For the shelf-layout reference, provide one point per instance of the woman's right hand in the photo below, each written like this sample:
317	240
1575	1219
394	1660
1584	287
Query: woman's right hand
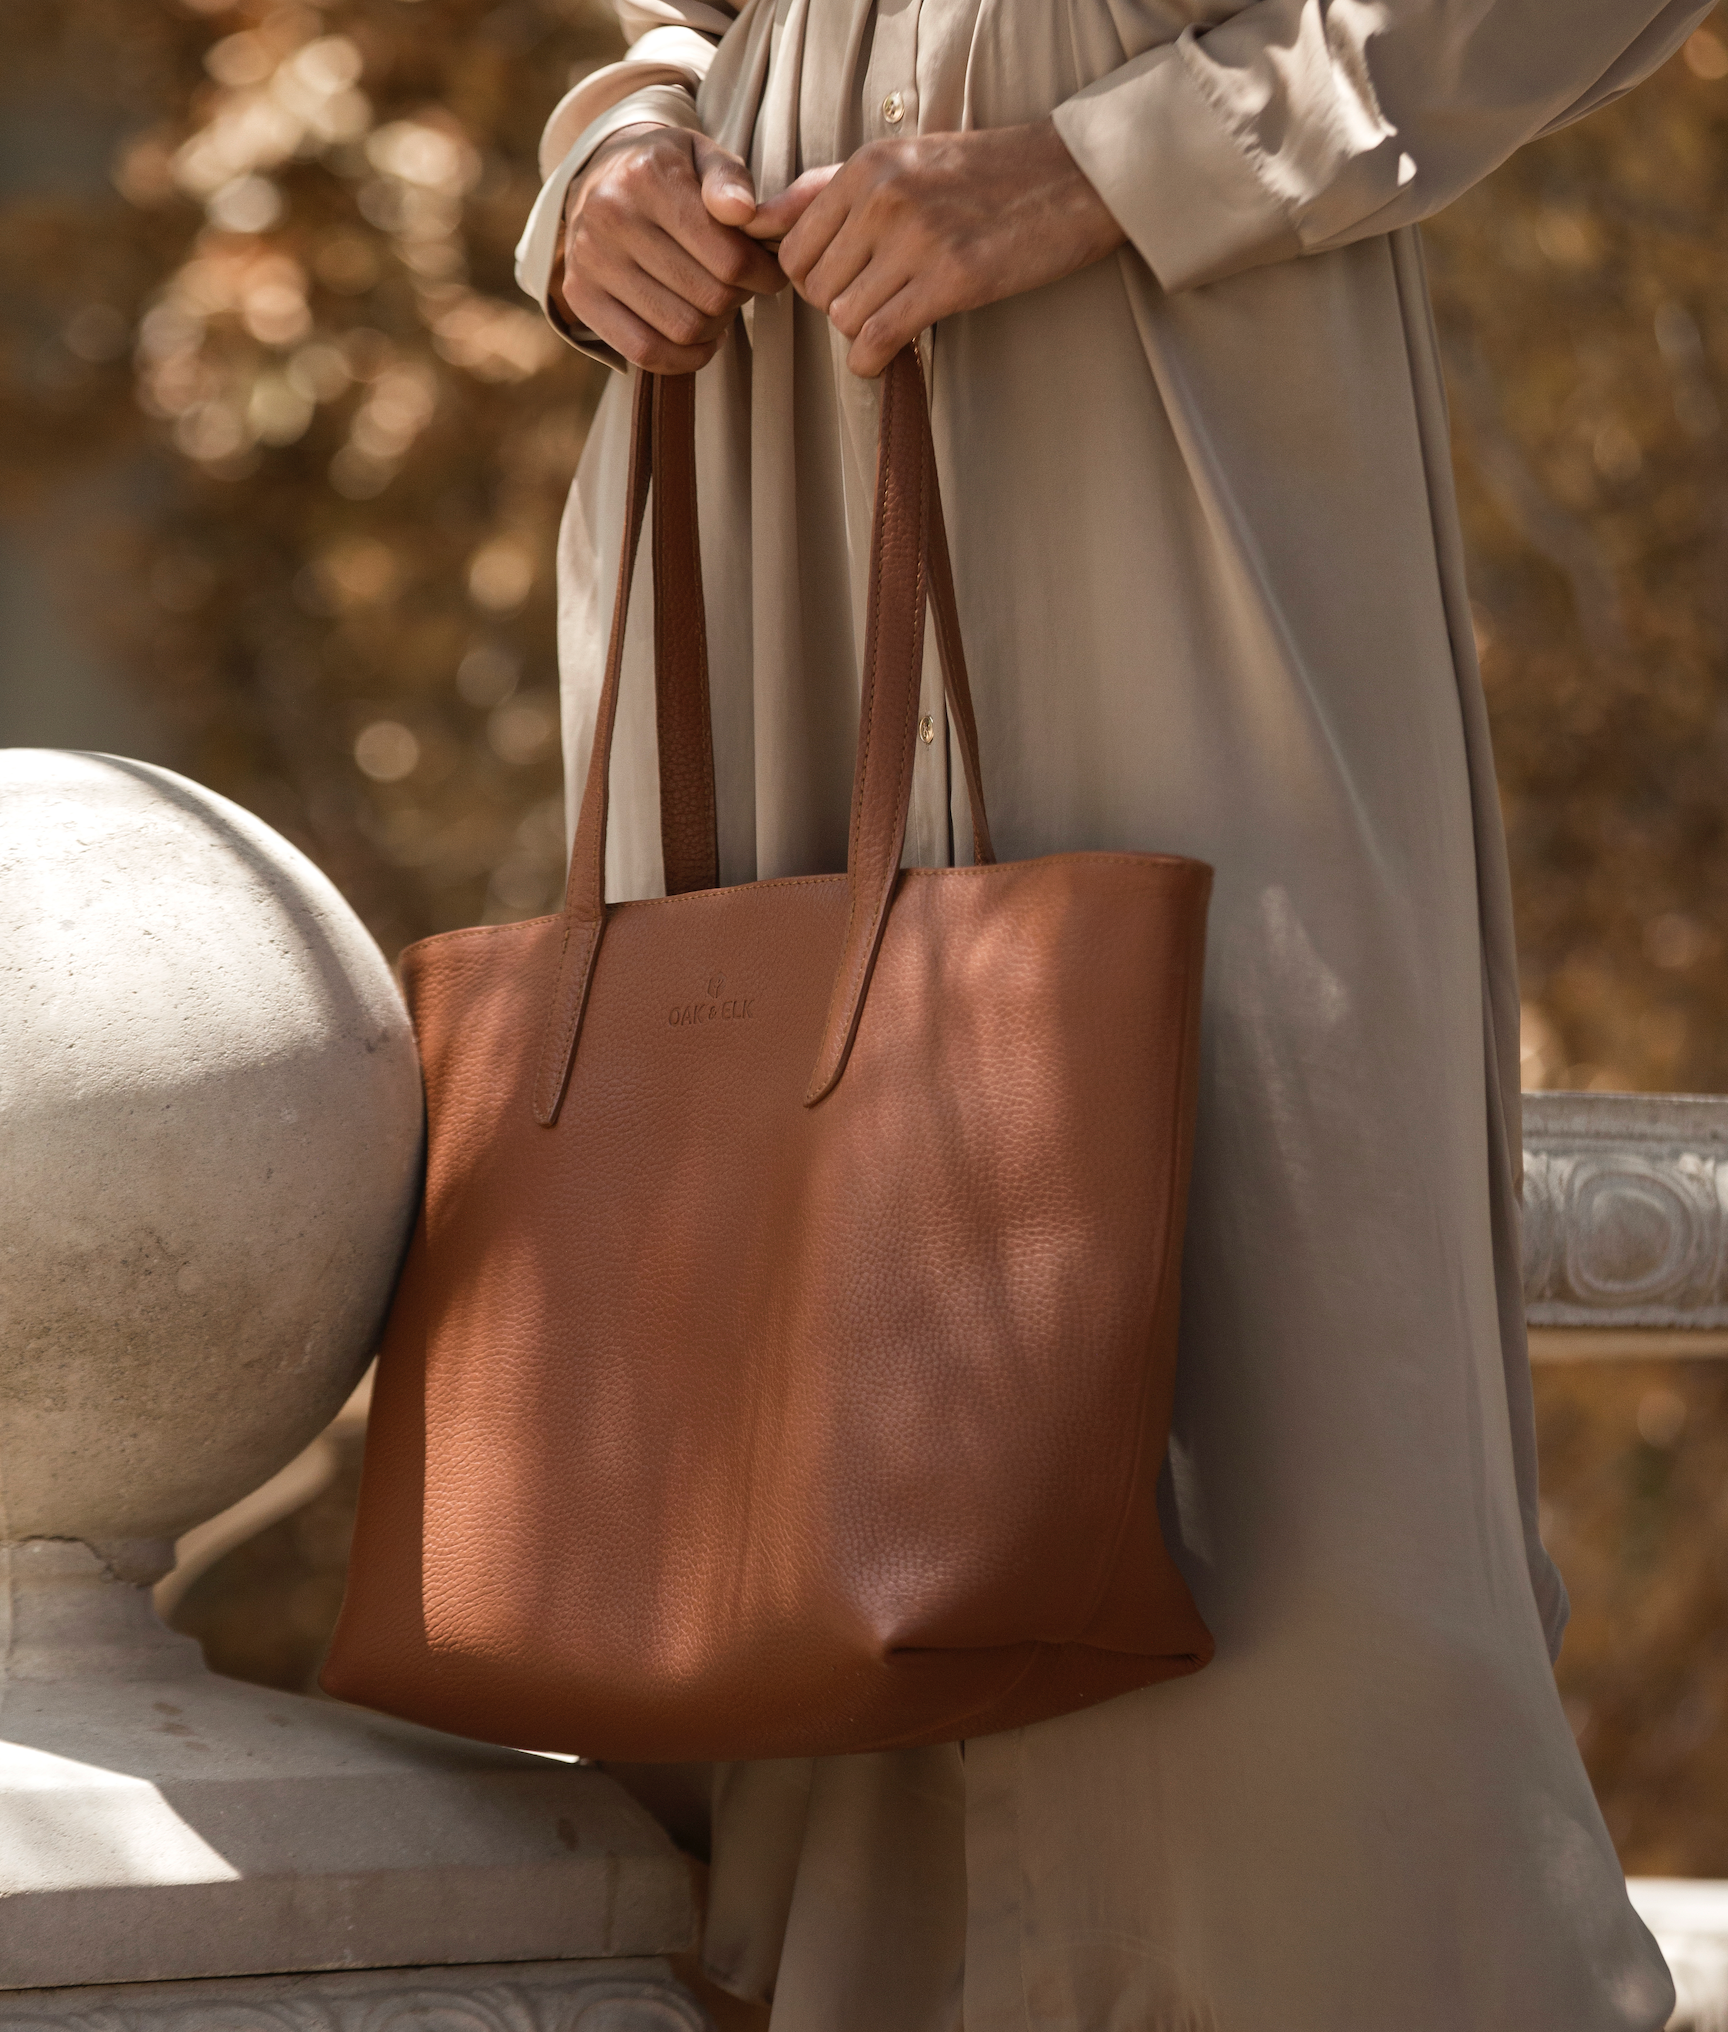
653	260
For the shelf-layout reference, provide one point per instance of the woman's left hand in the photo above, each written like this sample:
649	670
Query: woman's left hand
906	232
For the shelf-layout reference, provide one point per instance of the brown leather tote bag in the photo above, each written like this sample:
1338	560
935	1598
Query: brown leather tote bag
783	1360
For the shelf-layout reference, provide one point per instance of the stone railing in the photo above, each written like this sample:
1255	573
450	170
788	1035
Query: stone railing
1626	1214
1626	1254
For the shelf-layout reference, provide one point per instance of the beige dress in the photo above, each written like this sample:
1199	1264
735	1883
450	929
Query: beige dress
1210	576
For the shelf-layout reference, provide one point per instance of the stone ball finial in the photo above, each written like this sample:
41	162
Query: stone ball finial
210	1135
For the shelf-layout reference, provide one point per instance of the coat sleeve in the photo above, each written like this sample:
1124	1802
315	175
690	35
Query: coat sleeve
1299	125
671	44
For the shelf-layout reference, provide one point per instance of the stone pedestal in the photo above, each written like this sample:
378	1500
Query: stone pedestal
210	1132
158	1822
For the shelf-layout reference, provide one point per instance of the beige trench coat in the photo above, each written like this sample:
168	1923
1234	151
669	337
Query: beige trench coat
1210	577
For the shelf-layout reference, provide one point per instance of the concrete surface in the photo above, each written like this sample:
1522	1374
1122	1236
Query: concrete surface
159	1822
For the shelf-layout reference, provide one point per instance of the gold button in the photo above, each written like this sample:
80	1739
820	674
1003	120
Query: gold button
926	730
894	109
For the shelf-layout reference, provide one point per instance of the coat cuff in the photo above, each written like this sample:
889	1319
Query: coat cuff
659	105
664	56
1179	183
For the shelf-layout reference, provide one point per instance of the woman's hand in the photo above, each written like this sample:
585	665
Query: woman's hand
653	260
906	232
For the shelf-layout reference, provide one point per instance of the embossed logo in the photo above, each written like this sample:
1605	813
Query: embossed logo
714	1005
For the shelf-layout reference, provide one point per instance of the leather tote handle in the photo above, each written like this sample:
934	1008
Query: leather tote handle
687	818
909	568
689	836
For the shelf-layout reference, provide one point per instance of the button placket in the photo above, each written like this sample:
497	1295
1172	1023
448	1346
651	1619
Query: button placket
890	80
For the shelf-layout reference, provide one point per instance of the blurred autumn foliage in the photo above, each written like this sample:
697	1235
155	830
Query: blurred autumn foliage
1635	1509
1582	299
347	438
337	446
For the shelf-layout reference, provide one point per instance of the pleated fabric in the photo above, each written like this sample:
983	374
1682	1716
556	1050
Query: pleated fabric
1211	582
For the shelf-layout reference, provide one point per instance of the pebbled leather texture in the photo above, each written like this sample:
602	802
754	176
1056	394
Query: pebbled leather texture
713	1421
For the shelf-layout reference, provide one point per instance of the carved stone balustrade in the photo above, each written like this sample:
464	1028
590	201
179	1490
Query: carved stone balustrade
1626	1210
1626	1253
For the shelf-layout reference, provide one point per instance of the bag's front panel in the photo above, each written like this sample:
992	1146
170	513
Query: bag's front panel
780	1428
